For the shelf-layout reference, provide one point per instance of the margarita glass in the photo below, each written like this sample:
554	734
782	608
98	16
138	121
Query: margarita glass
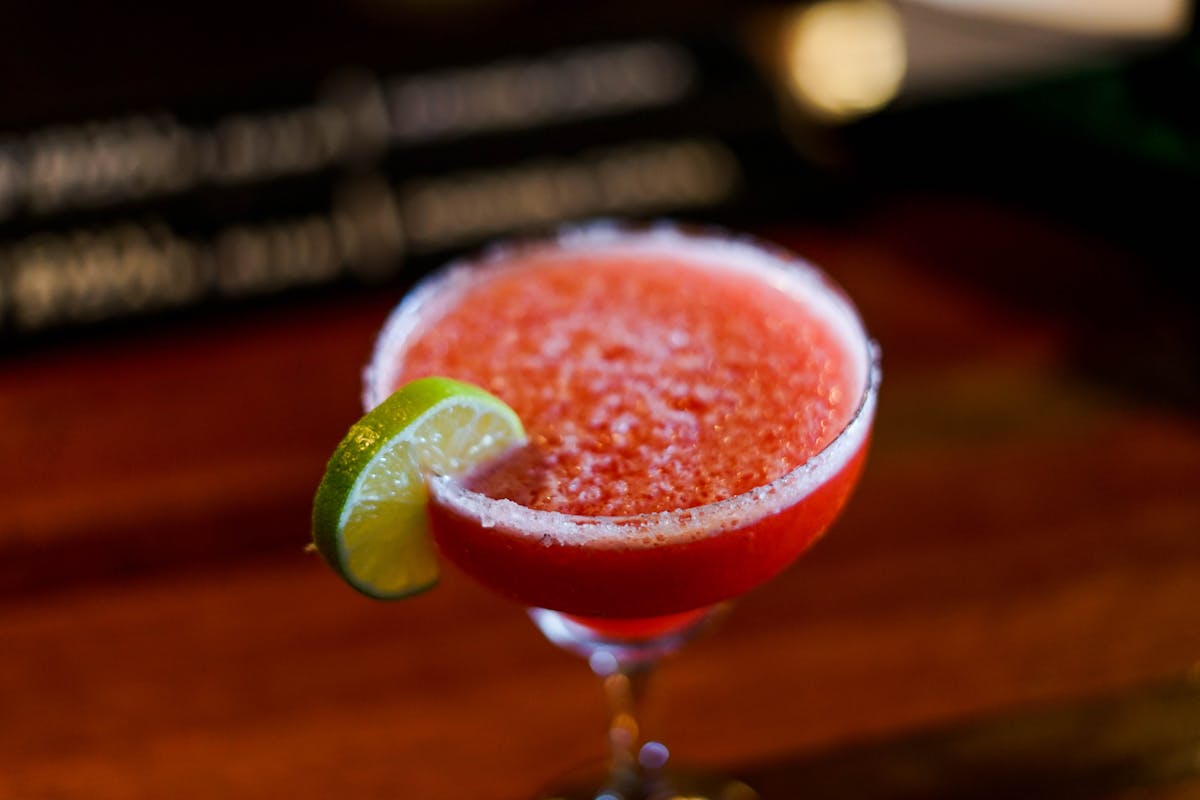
698	409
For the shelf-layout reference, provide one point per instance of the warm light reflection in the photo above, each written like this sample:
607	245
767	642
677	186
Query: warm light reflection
844	58
1144	18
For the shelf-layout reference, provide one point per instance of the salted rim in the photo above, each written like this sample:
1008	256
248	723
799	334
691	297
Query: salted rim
712	250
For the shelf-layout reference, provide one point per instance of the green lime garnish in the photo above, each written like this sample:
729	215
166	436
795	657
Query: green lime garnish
369	514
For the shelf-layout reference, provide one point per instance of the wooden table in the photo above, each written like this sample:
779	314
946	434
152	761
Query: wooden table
1011	602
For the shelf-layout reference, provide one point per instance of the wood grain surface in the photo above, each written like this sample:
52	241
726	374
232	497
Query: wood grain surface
1026	539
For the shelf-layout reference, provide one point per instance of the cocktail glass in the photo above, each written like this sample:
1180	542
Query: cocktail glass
625	606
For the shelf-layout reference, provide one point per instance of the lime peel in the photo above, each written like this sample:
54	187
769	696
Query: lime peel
369	513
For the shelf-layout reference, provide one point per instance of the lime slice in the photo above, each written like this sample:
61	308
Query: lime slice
369	519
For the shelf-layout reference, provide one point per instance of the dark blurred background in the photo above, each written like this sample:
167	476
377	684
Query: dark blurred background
159	160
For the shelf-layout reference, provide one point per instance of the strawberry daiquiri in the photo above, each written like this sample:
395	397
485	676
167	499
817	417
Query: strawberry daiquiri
698	409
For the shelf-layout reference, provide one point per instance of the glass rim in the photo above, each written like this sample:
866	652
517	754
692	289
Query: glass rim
655	527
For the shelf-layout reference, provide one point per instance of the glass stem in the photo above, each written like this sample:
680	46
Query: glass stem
626	662
633	770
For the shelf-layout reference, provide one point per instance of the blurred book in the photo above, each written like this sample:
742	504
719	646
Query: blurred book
152	162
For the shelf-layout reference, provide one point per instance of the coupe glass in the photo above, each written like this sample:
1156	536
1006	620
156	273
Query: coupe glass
625	615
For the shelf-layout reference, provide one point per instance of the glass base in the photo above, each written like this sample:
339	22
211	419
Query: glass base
593	784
